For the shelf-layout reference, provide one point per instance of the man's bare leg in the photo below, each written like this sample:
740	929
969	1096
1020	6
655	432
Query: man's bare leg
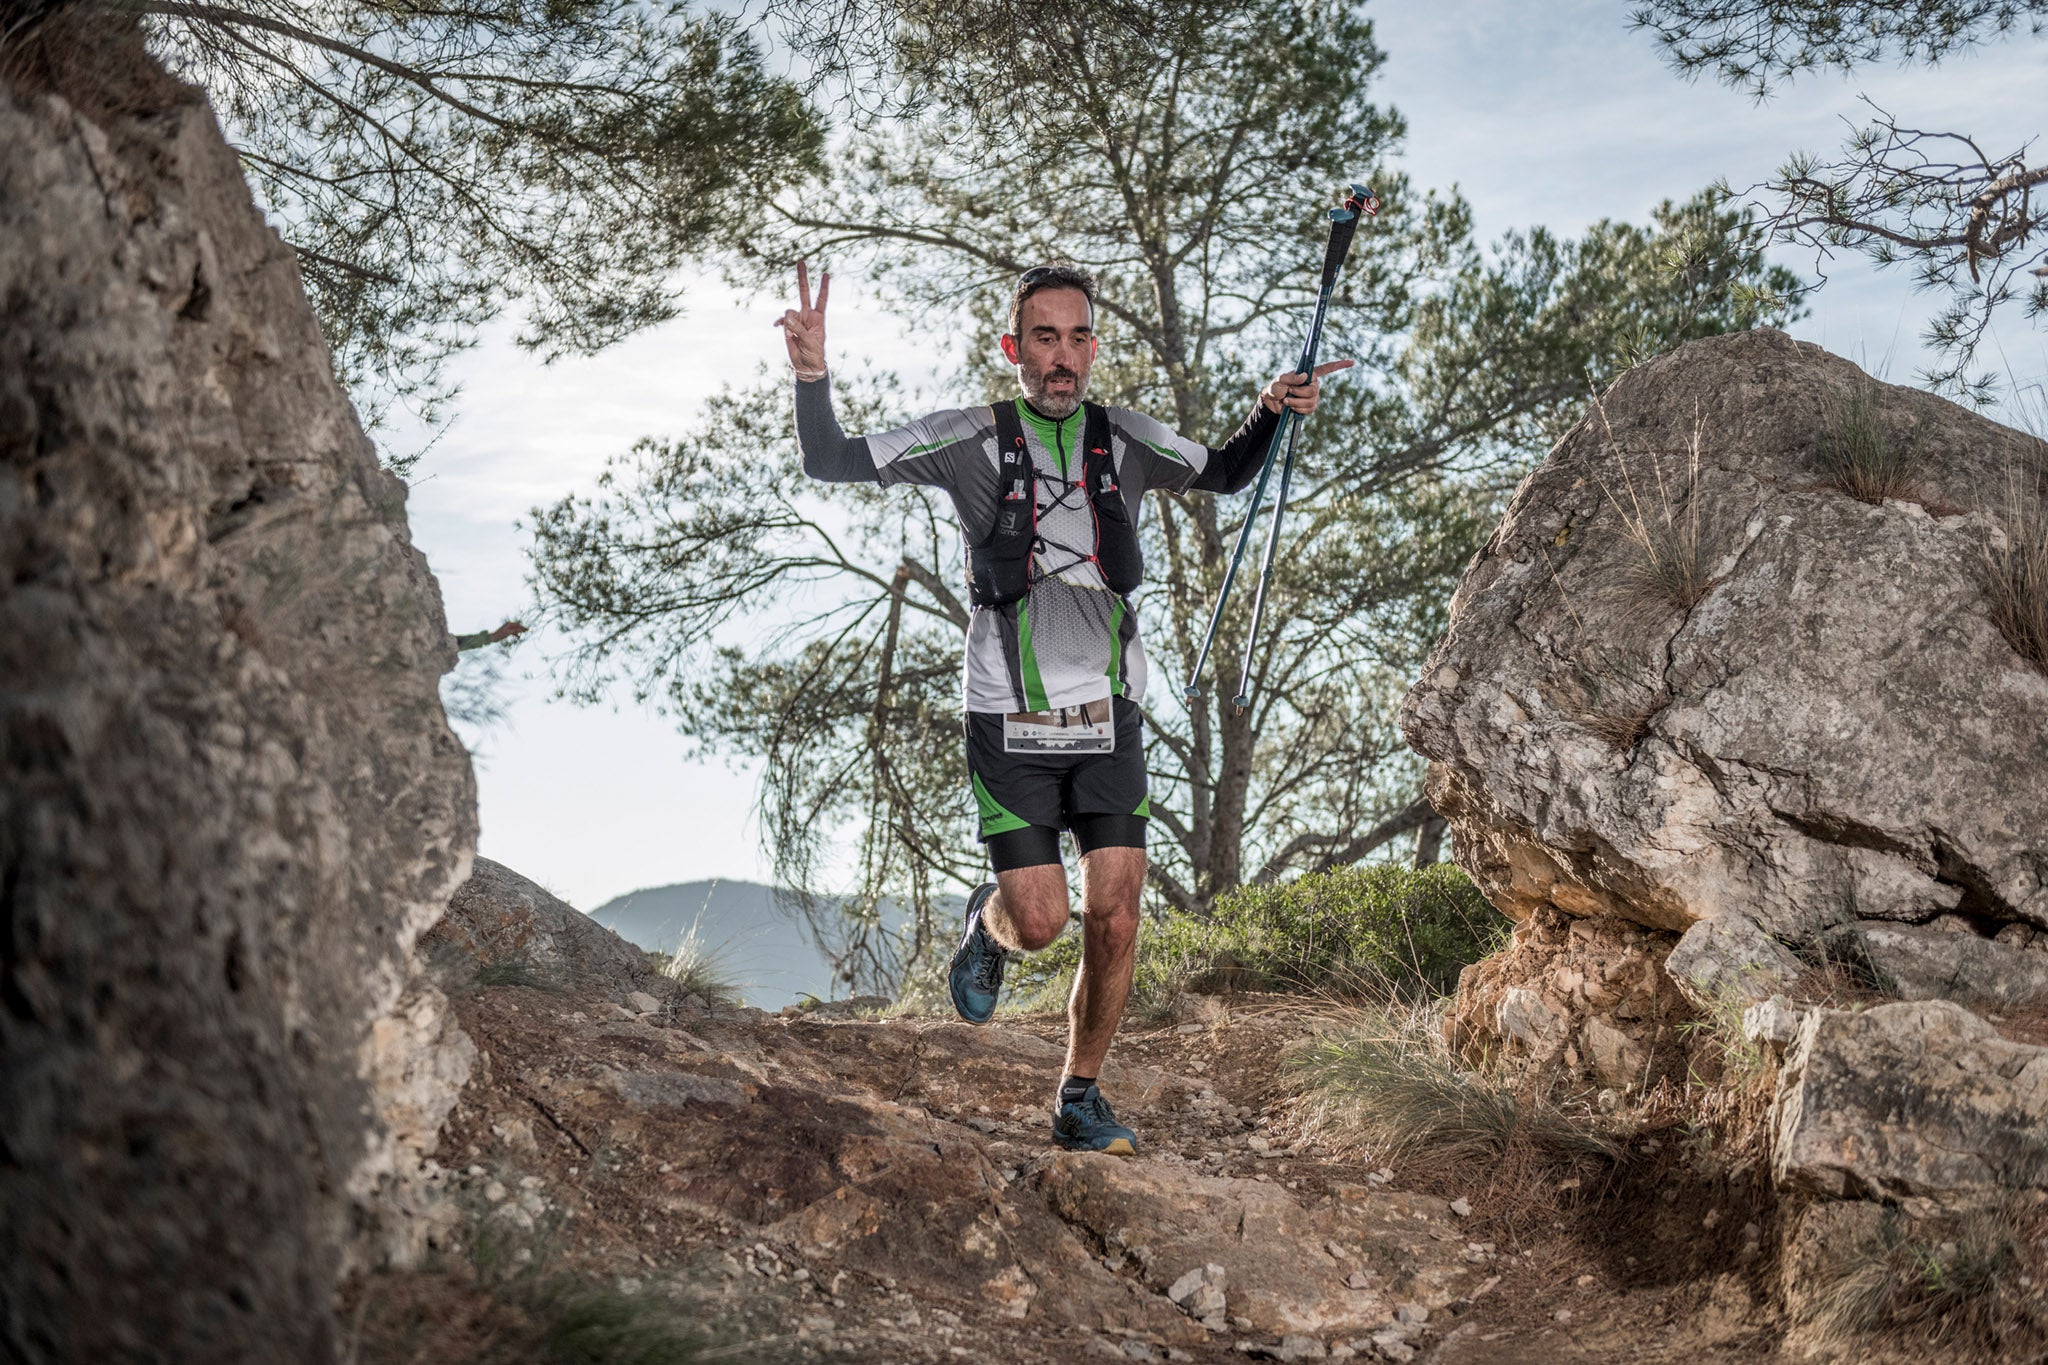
1029	908
1111	880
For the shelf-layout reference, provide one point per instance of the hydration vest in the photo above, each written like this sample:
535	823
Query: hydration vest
999	568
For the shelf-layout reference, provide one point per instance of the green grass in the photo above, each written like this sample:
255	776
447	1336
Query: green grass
515	971
1359	932
1859	453
593	1324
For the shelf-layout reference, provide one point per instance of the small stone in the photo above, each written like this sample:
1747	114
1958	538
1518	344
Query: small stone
495	1192
1300	1348
1342	1352
1359	1280
616	1012
1462	1206
1393	1345
1562	1315
1138	1350
640	1002
1183	1289
1241	1323
1258	1144
1411	1314
1586	1281
1192	1028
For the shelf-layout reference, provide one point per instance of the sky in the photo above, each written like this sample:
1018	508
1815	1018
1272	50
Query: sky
1556	114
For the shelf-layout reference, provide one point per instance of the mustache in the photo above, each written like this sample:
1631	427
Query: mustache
1060	373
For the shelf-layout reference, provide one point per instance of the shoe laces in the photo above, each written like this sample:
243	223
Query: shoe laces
988	963
1094	1108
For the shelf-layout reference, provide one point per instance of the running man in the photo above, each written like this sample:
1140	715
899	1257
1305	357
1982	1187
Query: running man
1047	489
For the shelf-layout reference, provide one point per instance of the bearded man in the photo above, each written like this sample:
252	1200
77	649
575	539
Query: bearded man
1047	489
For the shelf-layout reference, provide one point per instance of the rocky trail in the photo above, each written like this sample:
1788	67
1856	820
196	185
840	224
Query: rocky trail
822	1186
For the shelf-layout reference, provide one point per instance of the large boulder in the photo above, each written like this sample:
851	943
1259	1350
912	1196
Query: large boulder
229	799
1689	677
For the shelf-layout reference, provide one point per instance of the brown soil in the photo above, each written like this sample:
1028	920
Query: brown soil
760	1178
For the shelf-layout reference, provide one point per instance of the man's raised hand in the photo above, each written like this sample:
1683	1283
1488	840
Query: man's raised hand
803	327
1299	391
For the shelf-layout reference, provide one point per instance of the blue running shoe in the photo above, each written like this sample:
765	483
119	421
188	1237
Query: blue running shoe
1087	1125
976	975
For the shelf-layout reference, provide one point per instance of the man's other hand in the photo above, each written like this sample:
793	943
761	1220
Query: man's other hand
1297	391
803	327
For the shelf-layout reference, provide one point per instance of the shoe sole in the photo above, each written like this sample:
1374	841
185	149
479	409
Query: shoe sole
1116	1147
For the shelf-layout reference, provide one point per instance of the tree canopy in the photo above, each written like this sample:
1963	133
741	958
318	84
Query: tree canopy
1191	174
1961	216
433	165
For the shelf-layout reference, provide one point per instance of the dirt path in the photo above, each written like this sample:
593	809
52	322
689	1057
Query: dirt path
864	1190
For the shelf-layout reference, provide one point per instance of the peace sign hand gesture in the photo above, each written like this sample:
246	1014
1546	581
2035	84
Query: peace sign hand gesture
803	327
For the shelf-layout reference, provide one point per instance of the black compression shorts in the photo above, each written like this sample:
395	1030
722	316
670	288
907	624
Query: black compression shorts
1026	799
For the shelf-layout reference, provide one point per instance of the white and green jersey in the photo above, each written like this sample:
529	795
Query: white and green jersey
1070	639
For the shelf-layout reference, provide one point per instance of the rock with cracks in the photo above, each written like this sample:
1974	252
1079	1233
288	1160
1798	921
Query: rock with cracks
229	800
1688	678
1919	1100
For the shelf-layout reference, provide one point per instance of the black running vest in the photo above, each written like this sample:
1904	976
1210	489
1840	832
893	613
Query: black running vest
999	568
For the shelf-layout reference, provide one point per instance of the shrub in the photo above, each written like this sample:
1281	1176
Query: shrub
1369	930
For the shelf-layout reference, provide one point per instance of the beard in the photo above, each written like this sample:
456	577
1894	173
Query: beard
1054	405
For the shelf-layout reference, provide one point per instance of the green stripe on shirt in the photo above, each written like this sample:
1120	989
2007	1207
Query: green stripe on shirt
1034	685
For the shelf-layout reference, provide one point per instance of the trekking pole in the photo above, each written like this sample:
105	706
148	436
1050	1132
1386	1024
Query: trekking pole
1343	227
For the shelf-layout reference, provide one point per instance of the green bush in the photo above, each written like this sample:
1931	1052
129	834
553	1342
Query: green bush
1368	930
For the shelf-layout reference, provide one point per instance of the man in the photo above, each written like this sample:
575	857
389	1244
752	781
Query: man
1047	489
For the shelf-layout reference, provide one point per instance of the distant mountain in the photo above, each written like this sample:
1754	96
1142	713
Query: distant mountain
763	945
756	935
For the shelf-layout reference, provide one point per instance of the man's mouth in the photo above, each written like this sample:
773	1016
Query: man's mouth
1059	377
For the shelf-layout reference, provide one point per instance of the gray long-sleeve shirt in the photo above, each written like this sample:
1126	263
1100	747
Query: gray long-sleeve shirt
1071	639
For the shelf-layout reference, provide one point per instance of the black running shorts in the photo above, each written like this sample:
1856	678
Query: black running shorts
1101	797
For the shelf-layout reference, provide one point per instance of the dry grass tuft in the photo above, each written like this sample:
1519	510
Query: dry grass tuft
1859	454
1961	1283
700	970
1662	520
2016	571
1390	1085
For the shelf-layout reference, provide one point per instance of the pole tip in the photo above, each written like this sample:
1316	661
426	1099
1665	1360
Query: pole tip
1191	693
1241	701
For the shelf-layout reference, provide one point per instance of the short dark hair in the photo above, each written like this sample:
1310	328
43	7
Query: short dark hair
1059	276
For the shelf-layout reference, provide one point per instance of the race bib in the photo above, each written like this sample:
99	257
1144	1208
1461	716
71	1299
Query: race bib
1085	729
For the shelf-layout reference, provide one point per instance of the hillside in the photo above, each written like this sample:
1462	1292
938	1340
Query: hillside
753	931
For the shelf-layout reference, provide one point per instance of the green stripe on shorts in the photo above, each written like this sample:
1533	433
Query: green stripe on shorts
994	818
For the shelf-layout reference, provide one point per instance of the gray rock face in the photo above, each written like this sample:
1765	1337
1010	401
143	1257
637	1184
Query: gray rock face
229	800
1924	962
1920	1100
499	918
1832	730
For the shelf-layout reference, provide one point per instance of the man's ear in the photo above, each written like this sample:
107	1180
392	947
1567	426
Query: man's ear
1094	345
1009	345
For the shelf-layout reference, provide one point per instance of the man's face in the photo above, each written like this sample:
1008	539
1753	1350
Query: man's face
1054	349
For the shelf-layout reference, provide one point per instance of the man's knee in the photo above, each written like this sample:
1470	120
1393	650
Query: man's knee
1034	901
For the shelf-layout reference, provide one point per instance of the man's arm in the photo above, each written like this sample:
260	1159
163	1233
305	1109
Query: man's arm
1232	465
830	455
